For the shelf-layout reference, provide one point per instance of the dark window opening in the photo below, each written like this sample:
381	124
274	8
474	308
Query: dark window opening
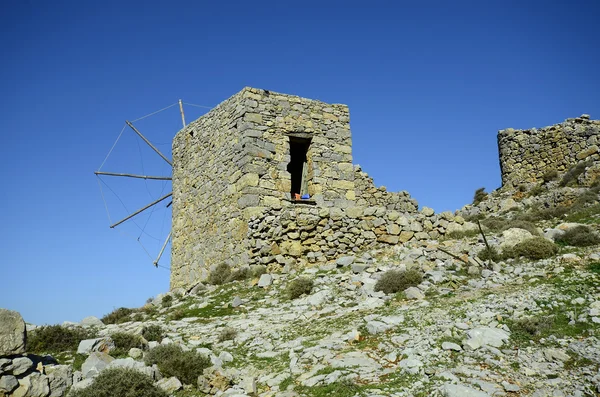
298	166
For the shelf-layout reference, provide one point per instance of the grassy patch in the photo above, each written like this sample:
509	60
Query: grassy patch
343	388
123	342
594	267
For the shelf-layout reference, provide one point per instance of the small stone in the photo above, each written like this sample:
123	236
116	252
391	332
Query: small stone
556	355
510	387
20	365
265	280
8	383
345	261
135	353
170	385
414	293
451	346
237	301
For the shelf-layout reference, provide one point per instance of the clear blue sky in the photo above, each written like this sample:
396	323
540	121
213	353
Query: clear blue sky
428	85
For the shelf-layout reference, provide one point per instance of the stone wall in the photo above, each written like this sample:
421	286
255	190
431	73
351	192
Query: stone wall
231	165
525	155
303	234
368	195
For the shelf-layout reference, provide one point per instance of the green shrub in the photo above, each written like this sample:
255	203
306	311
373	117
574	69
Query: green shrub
173	361
220	274
240	274
480	195
177	314
118	316
227	333
258	271
536	191
122	382
533	248
394	281
579	236
296	288
56	338
125	341
570	177
167	301
490	253
153	333
532	326
549	176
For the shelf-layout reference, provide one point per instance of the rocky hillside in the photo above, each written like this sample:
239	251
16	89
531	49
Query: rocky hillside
514	314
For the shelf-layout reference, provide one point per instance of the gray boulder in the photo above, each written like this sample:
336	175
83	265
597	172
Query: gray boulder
265	280
478	337
60	378
103	345
514	236
414	293
95	363
33	385
12	333
8	383
19	366
91	321
170	385
345	261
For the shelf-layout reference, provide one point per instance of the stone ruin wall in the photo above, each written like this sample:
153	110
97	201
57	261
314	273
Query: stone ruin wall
302	235
525	155
230	165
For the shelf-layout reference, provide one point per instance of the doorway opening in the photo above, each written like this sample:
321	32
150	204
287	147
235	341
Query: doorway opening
298	166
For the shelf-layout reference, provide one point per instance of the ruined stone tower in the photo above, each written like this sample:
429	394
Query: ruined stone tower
267	178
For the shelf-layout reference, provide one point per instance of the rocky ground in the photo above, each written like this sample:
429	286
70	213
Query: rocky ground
513	327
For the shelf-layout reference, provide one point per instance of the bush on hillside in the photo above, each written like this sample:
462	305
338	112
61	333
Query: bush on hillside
298	287
118	316
490	253
220	274
480	195
498	224
394	281
173	361
56	338
153	333
243	273
549	176
122	382
167	301
579	236
124	341
227	333
533	248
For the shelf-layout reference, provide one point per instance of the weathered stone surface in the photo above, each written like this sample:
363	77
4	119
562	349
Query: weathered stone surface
103	345
33	385
20	365
60	378
95	363
12	333
450	390
414	293
8	383
170	385
486	337
514	236
91	321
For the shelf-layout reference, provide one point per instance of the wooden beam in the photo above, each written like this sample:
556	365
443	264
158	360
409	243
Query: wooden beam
160	178
148	142
141	210
162	250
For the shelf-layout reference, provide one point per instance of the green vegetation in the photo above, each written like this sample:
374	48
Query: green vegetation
537	190
489	253
579	236
556	323
394	281
173	361
56	339
167	301
125	341
594	267
122	382
533	248
118	316
298	287
480	195
498	225
153	333
220	275
227	333
240	274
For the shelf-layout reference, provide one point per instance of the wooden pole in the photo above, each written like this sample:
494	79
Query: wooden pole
182	115
160	178
142	209
148	142
162	250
